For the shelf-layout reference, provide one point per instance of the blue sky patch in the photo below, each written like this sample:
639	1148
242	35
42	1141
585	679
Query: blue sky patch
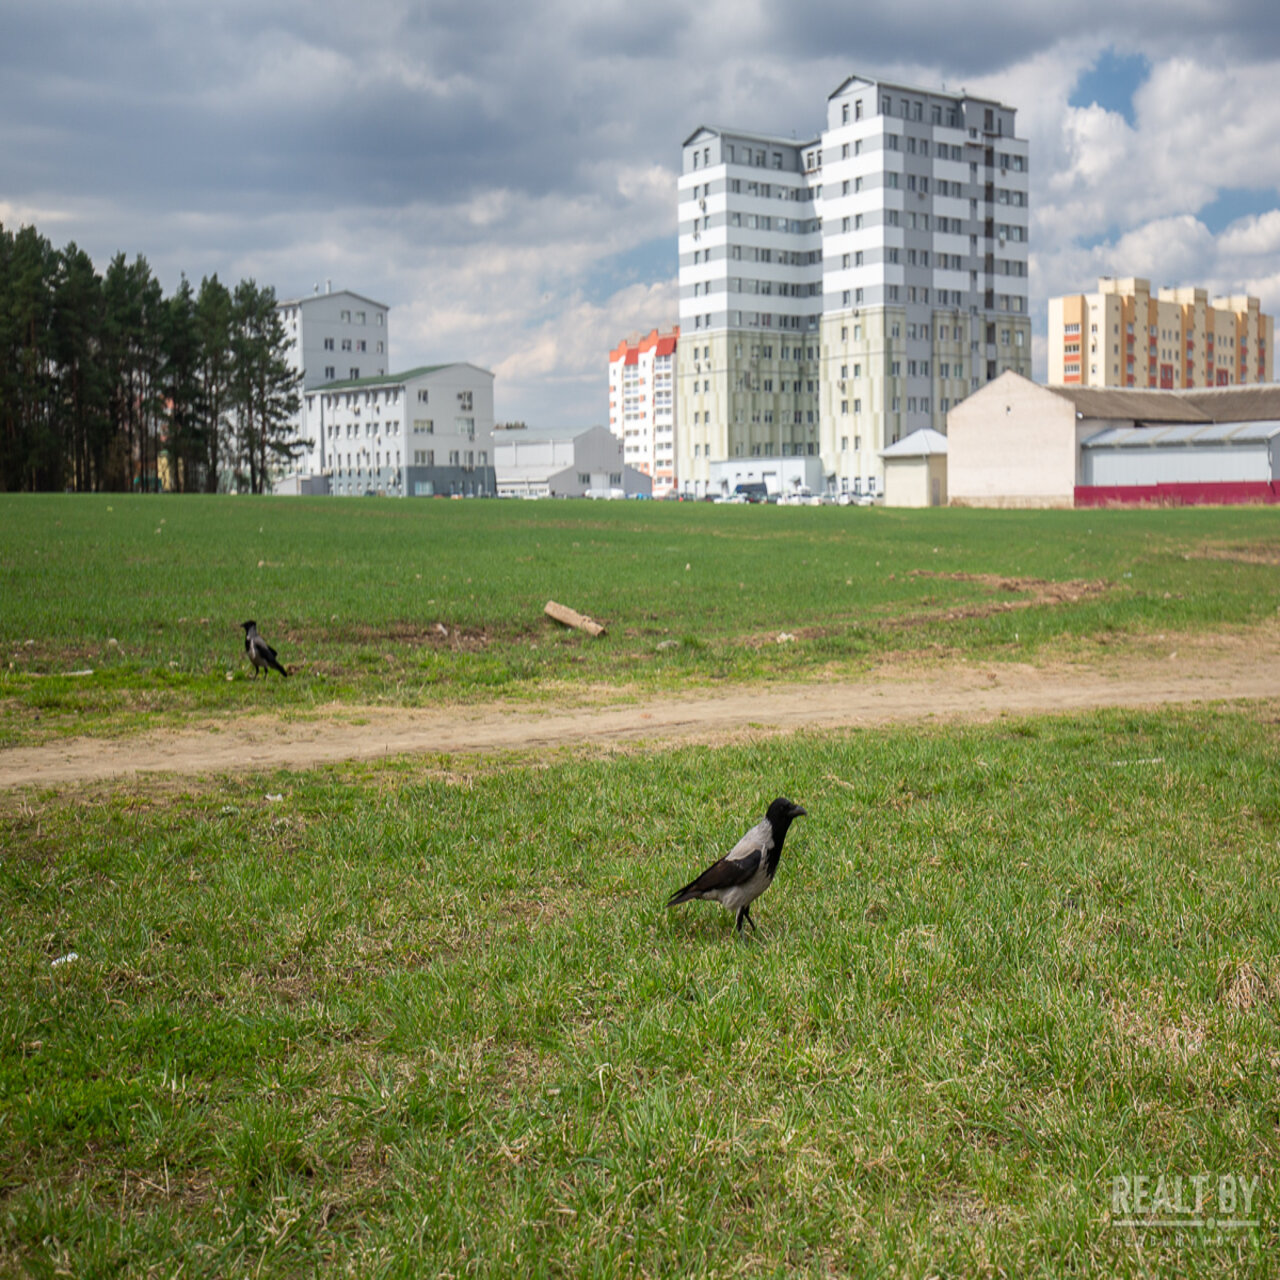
649	263
1111	82
1234	203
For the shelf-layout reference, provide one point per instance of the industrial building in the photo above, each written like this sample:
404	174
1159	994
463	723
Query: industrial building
565	462
1017	444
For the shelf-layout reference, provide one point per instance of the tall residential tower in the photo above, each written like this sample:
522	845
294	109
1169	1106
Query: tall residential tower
839	293
642	404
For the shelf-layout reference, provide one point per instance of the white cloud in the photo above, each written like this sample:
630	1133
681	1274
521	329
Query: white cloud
496	173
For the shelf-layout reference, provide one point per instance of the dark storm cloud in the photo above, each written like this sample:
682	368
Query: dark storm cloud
465	160
966	41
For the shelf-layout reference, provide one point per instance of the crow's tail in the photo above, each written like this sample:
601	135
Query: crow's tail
687	894
275	666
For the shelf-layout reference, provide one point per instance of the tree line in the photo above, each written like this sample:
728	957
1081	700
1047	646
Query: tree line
106	384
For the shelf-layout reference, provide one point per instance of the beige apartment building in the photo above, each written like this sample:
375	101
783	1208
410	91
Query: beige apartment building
1125	336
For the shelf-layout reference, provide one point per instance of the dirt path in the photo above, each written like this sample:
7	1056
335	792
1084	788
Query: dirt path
1191	670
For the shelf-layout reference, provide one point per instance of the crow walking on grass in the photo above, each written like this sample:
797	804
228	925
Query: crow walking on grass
261	654
747	870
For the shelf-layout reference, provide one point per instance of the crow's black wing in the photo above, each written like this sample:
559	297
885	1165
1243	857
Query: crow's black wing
724	874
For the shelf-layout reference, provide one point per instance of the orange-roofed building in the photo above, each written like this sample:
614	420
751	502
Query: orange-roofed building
642	407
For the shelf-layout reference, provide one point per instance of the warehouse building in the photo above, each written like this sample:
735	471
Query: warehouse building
565	462
1017	444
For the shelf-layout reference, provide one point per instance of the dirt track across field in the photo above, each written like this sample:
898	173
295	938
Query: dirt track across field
1189	670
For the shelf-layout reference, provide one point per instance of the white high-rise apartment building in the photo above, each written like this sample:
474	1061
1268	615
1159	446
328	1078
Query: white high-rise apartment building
642	405
334	337
840	293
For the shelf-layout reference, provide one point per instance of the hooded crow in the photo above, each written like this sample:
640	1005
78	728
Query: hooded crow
261	654
747	870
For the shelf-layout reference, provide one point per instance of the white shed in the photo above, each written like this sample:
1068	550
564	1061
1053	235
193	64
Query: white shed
915	470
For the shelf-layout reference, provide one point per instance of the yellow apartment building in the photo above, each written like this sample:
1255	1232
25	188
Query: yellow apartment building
1125	336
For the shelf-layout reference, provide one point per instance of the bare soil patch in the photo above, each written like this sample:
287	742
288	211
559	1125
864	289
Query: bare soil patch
1250	553
1168	671
1029	592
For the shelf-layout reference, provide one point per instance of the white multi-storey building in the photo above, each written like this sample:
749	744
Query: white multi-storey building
425	432
642	412
839	293
334	336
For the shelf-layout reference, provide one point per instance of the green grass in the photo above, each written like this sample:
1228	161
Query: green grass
436	602
433	1018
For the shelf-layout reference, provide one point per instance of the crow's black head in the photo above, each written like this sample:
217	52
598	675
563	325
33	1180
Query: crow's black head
781	812
247	625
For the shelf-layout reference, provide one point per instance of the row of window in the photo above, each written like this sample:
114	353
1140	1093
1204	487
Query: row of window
360	345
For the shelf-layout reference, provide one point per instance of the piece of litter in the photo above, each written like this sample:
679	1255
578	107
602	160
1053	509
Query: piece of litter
173	666
785	637
67	959
88	671
113	643
230	676
274	797
688	567
668	644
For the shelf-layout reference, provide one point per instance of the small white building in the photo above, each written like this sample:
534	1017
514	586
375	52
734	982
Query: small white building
915	470
333	336
422	433
564	462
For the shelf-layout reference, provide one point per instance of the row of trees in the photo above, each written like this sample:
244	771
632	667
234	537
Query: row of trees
106	384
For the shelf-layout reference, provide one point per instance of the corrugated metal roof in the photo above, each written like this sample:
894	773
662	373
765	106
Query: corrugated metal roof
1258	403
1130	402
1183	434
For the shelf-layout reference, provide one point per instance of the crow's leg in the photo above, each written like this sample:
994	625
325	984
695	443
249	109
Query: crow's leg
742	915
746	914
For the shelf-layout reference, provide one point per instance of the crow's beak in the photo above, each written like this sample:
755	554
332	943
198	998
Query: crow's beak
797	811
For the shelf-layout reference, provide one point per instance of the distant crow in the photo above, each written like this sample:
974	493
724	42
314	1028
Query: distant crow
261	654
747	870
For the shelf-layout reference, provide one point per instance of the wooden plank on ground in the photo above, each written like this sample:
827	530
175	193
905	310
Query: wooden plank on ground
572	618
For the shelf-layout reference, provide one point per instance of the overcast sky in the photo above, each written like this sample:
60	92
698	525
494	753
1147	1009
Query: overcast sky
503	175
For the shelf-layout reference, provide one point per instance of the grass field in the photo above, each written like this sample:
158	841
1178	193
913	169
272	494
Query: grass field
435	602
431	1017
